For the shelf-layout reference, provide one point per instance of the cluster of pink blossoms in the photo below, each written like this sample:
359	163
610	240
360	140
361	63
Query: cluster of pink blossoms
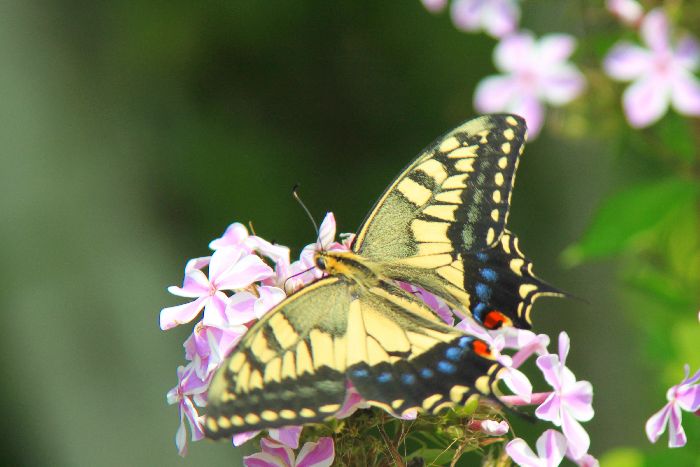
537	72
247	276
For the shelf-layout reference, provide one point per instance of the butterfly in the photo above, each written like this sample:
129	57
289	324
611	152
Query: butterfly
440	226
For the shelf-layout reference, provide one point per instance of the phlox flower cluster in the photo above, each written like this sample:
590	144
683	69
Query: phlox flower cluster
536	72
246	276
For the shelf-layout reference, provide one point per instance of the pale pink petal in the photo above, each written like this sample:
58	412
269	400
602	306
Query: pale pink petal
562	84
278	450
234	235
627	61
577	437
500	17
655	31
520	452
466	14
676	434
494	428
514	52
409	414
629	11
551	369
550	410
646	101
269	297
197	263
222	261
353	401
518	383
564	345
241	438
494	93
690	379
276	253
240	308
434	6
180	314
288	435
263	459
587	461
551	445
685	94
656	425
578	400
689	398
555	48
247	270
195	284
181	438
326	232
318	454
687	53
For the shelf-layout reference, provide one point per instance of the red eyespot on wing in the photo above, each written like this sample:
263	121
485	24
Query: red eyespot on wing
494	319
481	348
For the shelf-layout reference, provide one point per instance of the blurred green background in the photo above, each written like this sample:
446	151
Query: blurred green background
133	133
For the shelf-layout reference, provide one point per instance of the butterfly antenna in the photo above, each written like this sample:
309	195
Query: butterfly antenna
296	275
306	210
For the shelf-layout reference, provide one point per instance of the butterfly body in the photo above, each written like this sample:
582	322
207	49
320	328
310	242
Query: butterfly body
439	226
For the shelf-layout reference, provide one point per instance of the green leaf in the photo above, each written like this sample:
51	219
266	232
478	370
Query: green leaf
625	217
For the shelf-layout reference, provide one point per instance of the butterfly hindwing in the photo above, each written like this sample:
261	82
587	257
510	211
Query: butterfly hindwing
502	285
413	362
454	196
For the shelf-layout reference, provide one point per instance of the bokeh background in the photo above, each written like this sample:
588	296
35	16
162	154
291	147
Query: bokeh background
133	133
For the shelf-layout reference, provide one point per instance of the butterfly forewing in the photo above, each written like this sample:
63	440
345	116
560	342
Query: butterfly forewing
289	369
454	197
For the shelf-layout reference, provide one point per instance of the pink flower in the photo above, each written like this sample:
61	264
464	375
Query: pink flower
318	454
570	401
207	345
662	74
551	448
490	427
535	72
686	396
496	17
189	387
230	268
434	6
288	436
628	11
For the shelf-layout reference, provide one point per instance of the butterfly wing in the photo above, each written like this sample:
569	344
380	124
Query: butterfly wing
289	368
454	196
292	366
446	212
406	360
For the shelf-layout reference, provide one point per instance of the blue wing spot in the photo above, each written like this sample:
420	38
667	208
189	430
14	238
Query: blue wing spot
464	341
483	291
454	354
446	367
478	311
489	274
408	378
384	377
427	373
360	373
481	256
